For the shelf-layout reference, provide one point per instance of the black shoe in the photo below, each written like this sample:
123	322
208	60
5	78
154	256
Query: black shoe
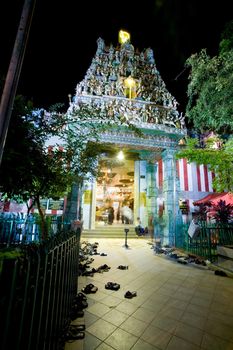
130	295
123	267
112	286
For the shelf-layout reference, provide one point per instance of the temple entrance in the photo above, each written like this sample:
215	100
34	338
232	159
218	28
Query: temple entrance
115	193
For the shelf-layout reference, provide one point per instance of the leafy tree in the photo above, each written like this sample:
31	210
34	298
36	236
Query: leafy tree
210	89
219	160
29	171
210	110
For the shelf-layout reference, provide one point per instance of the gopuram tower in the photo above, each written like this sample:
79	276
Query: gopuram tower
123	87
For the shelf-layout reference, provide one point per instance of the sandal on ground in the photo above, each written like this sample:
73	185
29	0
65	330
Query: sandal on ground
112	286
77	328
72	334
80	304
80	296
103	268
130	295
76	313
123	267
90	288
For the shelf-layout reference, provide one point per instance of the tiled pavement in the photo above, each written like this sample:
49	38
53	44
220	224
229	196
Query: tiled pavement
177	307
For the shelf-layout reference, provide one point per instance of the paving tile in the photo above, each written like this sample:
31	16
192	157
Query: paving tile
165	323
219	329
189	333
89	318
211	342
101	329
104	346
142	345
181	344
177	307
144	314
115	317
90	342
127	307
111	300
121	340
193	320
98	309
133	326
172	312
223	318
156	337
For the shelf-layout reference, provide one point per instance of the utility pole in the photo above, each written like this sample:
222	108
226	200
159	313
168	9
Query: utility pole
14	70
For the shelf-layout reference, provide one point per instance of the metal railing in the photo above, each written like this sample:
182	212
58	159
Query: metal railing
14	230
36	294
209	237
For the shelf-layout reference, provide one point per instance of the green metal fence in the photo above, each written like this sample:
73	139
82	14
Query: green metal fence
36	294
205	244
14	229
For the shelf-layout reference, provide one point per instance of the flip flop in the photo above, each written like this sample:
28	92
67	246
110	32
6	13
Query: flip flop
72	334
77	328
130	295
90	288
123	267
112	286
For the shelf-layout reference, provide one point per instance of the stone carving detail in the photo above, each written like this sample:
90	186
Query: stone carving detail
103	87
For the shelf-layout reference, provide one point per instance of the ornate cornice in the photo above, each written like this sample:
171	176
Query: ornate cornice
130	140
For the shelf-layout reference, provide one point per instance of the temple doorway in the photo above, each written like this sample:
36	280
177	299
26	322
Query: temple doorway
114	191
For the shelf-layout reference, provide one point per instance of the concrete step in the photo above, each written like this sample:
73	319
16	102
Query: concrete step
110	232
225	257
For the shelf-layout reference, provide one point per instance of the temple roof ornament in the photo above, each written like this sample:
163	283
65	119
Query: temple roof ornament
125	82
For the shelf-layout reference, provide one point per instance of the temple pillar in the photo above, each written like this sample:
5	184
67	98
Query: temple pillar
73	205
88	210
152	193
140	207
171	215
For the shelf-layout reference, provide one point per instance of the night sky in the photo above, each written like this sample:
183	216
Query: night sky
62	40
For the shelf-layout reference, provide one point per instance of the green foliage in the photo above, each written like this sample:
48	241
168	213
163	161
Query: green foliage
201	211
219	160
210	110
210	92
210	89
222	212
27	170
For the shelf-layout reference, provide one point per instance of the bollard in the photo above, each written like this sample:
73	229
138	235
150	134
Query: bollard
126	236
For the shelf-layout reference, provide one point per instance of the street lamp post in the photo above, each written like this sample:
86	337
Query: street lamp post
14	70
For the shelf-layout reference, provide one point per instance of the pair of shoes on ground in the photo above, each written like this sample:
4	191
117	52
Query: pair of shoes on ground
80	301
130	295
103	268
76	313
75	332
123	267
90	288
112	286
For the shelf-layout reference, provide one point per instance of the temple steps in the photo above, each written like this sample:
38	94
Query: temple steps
110	232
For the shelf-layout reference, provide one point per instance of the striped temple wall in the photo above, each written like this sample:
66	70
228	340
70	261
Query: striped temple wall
195	180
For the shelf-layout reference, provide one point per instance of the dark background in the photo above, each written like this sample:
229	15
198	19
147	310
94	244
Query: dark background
62	40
